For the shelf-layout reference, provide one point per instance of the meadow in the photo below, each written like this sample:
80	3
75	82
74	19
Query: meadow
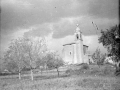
73	77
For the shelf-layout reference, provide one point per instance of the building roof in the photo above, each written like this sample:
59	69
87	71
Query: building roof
69	43
85	45
72	43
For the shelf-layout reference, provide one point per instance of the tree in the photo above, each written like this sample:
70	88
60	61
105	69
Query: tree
54	61
24	52
12	66
98	57
33	50
40	63
14	57
108	39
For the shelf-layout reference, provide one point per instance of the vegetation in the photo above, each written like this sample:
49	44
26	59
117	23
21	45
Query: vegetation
30	53
24	52
98	57
94	78
85	66
41	64
54	61
14	58
110	39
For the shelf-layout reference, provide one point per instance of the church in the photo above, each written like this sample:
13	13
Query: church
76	52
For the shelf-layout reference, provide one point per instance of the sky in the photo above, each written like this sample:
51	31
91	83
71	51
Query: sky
56	20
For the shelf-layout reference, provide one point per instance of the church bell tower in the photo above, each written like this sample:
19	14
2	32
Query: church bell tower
78	34
78	47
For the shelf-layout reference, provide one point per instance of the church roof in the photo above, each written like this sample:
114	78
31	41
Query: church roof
69	43
85	45
72	43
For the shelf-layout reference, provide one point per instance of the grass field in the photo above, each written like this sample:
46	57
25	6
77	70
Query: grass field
93	78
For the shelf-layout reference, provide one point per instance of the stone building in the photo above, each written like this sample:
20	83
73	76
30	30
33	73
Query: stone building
76	52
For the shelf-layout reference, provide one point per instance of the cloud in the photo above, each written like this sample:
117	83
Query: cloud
39	31
26	13
104	8
63	28
67	26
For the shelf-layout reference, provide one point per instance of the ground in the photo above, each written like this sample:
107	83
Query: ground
72	79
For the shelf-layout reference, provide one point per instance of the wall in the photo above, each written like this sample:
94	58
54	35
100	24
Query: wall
68	53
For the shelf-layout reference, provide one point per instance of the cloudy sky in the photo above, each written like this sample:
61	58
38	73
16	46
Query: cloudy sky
56	20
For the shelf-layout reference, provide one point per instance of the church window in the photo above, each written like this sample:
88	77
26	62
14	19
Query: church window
77	36
70	53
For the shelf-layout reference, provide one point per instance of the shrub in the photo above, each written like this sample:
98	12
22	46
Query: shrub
68	71
85	66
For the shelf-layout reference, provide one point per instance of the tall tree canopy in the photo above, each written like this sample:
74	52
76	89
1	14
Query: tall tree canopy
109	39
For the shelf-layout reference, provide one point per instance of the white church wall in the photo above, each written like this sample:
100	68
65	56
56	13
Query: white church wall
68	54
86	59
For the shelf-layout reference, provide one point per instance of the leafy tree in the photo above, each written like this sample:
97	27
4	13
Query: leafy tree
24	52
108	39
40	63
33	50
14	57
12	66
54	61
98	57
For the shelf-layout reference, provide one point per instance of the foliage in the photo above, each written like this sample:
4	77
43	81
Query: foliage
24	52
33	50
108	39
12	66
68	71
39	62
85	66
14	57
54	61
98	57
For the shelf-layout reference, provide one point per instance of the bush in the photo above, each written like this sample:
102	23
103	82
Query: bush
104	70
68	71
85	66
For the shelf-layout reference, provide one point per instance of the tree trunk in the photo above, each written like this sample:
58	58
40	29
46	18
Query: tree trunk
57	71
41	71
19	75
31	74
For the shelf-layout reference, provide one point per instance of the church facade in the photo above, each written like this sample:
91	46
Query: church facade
75	52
